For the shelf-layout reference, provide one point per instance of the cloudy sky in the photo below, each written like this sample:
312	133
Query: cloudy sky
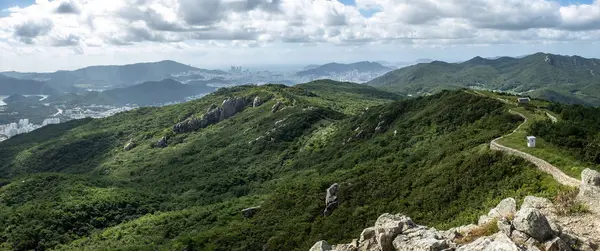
47	35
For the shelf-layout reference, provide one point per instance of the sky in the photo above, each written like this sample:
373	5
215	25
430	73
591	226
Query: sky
50	35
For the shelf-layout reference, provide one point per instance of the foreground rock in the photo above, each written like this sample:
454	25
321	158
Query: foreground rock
589	190
528	229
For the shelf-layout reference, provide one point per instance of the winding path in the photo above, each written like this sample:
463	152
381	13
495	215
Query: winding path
543	165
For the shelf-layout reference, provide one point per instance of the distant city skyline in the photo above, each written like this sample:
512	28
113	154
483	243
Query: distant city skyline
44	35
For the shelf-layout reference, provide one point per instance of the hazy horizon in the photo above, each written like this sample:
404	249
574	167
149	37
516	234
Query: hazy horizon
45	36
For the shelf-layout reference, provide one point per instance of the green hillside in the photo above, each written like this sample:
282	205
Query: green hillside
73	186
147	93
569	79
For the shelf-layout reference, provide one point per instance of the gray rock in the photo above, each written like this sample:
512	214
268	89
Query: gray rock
232	106
505	226
321	246
496	242
130	145
519	236
331	199
590	177
536	202
532	222
421	240
557	244
213	115
162	143
353	246
257	102
506	208
381	236
589	190
250	212
276	107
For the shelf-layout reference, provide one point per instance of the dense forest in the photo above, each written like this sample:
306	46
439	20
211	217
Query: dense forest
73	186
577	131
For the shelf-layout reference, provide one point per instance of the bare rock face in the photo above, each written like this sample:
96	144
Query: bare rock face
331	199
533	223
213	115
257	102
589	190
231	106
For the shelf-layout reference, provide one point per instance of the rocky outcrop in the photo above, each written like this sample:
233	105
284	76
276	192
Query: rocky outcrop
257	102
331	199
529	230
162	143
250	212
213	115
505	209
130	145
589	189
533	223
276	107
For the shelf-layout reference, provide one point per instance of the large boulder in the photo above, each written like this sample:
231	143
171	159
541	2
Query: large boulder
331	199
533	223
257	102
321	246
232	106
213	115
386	229
589	190
505	209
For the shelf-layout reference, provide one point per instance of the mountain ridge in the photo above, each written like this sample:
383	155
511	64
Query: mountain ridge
571	76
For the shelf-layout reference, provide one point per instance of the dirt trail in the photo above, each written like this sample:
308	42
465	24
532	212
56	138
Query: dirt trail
543	165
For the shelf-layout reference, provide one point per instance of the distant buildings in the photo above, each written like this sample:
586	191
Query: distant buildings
23	126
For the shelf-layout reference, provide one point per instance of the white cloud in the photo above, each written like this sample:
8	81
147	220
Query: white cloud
94	26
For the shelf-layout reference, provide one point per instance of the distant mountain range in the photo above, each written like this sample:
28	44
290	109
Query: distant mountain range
336	68
10	86
148	93
112	76
568	79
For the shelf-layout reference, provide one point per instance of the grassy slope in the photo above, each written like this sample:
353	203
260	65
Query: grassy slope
78	184
557	156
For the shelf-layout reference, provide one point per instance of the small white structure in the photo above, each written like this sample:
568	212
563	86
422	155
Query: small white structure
531	141
523	100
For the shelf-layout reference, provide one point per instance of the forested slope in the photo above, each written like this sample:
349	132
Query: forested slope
73	186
